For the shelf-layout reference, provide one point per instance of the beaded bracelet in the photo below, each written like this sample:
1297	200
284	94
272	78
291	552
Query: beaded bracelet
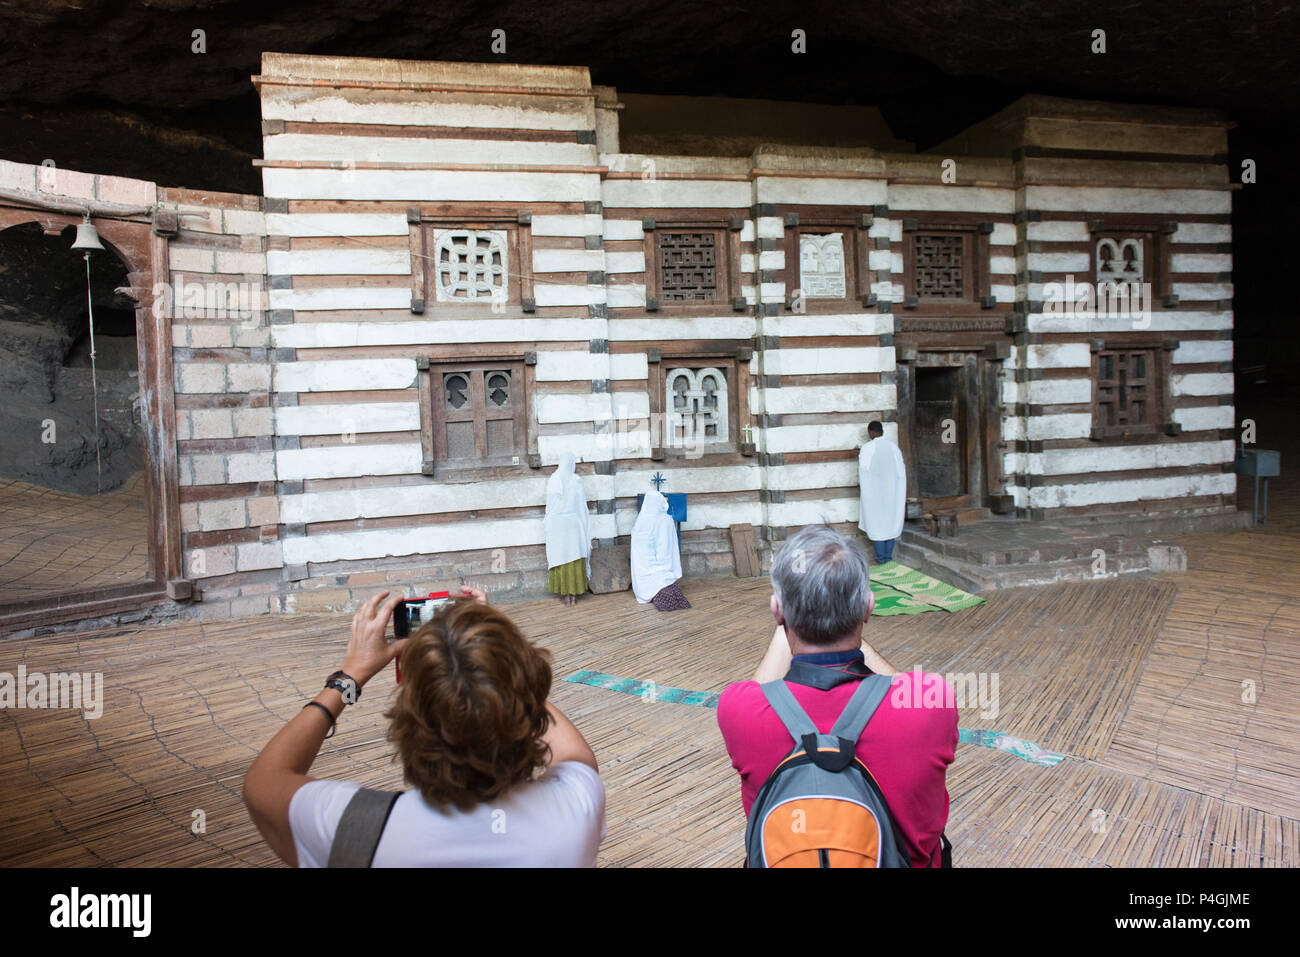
328	714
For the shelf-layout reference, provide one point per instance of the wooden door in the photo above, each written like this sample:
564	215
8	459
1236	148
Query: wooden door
942	429
940	440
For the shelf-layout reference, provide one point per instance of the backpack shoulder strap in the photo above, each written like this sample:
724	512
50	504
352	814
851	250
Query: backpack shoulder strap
867	697
361	827
793	716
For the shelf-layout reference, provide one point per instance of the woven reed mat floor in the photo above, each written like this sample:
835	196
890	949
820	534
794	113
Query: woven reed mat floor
55	542
1145	782
1233	633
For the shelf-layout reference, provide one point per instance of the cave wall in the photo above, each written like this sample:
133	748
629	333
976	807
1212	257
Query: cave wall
47	419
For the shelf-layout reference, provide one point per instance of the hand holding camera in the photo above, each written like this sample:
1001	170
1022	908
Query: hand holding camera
368	648
411	613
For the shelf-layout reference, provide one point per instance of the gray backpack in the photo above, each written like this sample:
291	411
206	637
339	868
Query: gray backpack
821	807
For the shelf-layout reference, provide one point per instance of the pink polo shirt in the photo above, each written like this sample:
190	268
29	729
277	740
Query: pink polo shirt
908	744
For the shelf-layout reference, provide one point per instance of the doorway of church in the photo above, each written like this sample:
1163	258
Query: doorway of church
941	471
944	430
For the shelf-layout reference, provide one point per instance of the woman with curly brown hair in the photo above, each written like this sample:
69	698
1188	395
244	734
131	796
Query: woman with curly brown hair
498	776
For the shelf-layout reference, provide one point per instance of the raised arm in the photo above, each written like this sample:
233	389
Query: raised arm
566	741
875	662
776	661
281	769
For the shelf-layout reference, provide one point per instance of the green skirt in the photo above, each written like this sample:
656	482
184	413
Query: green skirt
569	578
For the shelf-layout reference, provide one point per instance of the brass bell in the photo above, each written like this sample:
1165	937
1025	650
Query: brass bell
87	237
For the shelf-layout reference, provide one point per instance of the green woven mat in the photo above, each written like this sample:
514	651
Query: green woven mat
891	601
923	592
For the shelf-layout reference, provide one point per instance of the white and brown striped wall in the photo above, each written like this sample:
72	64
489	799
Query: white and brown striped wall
1084	170
221	351
304	447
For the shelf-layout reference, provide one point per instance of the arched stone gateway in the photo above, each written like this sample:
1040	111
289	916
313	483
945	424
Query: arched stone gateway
47	433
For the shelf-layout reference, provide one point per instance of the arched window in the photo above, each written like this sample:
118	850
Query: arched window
1119	260
1131	250
476	416
695	401
1107	260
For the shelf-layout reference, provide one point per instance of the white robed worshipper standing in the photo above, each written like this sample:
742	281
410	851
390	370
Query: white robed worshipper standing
568	533
882	487
656	562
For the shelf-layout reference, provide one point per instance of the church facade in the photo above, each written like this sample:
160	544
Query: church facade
460	276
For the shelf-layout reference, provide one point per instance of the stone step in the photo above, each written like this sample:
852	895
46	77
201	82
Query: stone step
1166	526
976	578
969	516
977	549
1001	541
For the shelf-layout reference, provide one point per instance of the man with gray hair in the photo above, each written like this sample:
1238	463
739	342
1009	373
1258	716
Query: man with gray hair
821	600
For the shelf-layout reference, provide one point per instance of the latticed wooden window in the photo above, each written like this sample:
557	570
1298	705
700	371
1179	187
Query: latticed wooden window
939	266
1125	388
479	414
688	266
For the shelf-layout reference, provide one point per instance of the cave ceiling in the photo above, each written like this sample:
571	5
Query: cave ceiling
116	87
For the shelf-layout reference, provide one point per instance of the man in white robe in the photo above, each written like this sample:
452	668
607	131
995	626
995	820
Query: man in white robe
882	485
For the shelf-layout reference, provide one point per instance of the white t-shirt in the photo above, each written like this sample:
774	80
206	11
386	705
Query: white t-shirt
557	820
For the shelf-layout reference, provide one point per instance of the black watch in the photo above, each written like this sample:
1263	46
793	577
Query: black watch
346	685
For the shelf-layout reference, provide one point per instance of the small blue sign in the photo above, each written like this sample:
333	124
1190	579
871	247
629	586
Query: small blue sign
676	505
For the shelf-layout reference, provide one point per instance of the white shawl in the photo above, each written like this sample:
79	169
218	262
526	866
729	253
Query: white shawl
882	484
655	561
568	535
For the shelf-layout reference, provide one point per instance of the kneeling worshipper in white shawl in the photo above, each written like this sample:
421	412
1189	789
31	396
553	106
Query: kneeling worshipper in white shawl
568	535
656	563
882	483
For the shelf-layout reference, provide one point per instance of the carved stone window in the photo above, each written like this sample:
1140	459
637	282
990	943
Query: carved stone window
695	401
822	273
1134	254
699	399
1119	260
688	265
474	415
826	258
477	260
471	265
